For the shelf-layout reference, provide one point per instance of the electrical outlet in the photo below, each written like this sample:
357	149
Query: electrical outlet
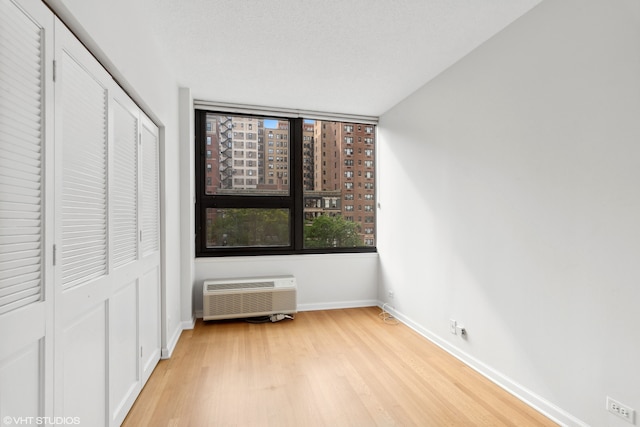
452	327
461	329
390	293
621	410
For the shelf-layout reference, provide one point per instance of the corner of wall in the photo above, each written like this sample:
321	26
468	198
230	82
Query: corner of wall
187	152
172	341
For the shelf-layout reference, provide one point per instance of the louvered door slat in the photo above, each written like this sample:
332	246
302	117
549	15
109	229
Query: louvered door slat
18	120
29	44
8	304
150	192
19	184
17	296
19	247
13	270
21	168
124	195
84	150
15	165
30	277
22	286
29	108
19	66
26	189
20	143
15	21
19	254
15	137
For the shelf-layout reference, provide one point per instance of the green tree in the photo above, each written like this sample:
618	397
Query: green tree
331	232
249	227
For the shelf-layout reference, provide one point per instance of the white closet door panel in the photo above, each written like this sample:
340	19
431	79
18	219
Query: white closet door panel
149	321
150	189
124	378
21	382
84	348
21	161
124	184
84	116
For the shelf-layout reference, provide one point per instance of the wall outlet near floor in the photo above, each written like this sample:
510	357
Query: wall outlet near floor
452	327
390	293
621	410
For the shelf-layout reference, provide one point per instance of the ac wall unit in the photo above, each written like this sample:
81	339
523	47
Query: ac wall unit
248	297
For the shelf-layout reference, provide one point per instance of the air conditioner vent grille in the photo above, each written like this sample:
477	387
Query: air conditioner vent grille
227	286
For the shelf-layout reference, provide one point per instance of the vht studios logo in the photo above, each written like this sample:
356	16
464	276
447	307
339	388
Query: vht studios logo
39	421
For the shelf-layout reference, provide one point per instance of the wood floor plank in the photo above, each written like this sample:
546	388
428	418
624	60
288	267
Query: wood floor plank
325	368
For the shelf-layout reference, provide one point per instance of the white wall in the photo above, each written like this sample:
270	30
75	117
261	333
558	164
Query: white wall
115	32
510	202
324	281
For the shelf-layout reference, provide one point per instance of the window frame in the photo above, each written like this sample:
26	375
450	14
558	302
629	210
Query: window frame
294	202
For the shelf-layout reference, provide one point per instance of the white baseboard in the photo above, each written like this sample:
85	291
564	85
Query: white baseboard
172	342
542	405
189	324
326	306
337	305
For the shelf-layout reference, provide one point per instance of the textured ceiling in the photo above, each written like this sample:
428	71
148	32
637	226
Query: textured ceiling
343	56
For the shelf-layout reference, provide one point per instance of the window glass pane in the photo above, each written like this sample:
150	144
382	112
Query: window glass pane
254	227
246	155
337	168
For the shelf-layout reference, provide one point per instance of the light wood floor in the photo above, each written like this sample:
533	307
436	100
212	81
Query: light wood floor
325	368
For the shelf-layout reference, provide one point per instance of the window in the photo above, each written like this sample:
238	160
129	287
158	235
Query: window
274	205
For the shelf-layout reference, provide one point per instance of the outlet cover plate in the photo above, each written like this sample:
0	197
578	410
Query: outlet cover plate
621	410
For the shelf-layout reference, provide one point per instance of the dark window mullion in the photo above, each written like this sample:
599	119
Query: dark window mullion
248	202
200	208
297	189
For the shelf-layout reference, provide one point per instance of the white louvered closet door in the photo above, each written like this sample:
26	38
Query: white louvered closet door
26	55
124	363
150	280
82	285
